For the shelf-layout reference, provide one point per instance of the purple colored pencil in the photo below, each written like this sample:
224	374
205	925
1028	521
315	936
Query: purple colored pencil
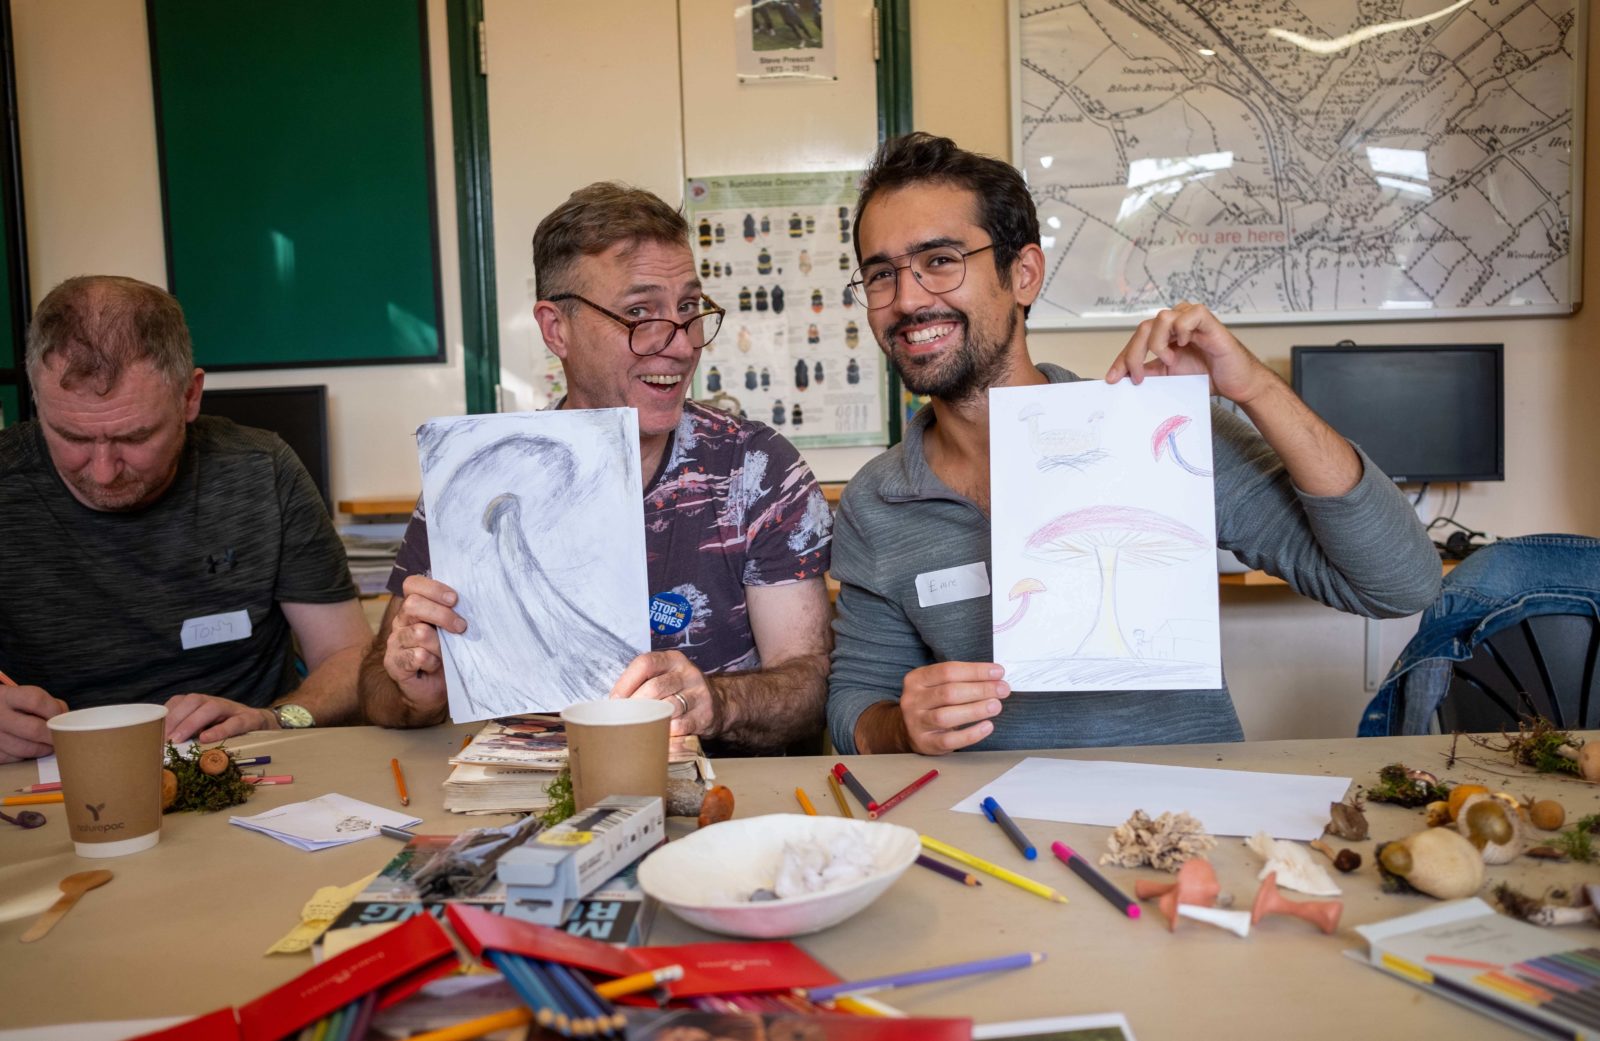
947	871
850	782
907	979
1101	884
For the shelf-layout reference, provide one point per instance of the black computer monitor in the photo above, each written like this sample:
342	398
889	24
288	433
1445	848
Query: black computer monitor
1434	413
299	415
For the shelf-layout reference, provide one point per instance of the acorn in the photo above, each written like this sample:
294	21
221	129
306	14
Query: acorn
169	789
1547	815
214	762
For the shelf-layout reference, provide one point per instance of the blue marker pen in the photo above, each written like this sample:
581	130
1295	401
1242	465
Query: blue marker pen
992	810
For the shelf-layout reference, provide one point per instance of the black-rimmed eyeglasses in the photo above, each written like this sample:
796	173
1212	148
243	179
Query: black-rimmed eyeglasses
938	269
648	336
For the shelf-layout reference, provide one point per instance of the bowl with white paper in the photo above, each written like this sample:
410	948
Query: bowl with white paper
778	875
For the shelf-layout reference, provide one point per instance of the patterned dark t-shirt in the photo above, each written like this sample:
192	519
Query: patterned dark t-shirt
733	505
94	605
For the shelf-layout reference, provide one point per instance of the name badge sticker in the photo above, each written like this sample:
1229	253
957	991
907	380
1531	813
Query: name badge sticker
215	628
953	584
669	613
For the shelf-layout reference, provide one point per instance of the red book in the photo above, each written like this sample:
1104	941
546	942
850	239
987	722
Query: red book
708	968
406	956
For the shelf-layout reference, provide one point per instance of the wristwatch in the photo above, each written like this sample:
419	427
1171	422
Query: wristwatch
292	717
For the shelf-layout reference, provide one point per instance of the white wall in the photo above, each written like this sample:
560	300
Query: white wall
93	206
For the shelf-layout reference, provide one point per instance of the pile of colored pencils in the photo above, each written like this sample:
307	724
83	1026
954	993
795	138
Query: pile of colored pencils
560	998
348	1023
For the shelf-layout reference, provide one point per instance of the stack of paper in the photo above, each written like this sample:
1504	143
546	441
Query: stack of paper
509	763
332	820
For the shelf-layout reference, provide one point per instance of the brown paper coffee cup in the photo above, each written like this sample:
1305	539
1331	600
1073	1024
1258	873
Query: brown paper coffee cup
110	759
617	747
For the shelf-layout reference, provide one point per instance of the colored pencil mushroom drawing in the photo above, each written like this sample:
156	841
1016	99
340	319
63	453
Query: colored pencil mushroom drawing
1101	549
1107	538
536	520
1166	437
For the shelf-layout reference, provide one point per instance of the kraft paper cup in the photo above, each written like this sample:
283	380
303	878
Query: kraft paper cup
110	759
617	747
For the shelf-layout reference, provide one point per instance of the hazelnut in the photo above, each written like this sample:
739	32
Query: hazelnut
1548	815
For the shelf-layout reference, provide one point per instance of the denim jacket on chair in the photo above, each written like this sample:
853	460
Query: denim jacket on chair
1498	586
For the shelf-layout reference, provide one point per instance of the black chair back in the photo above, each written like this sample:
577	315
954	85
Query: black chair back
1542	666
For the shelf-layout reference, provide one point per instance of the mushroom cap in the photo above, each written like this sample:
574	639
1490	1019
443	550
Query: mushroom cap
1142	538
1169	428
1025	586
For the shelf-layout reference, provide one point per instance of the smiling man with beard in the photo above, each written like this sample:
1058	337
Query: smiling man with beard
948	243
736	529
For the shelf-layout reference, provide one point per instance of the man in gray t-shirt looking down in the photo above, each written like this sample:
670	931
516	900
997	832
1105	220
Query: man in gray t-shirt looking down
153	554
948	243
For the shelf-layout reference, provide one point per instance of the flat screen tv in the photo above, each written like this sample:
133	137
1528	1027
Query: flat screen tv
299	415
1434	413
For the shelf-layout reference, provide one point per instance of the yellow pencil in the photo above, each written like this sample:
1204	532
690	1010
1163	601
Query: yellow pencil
624	985
805	803
511	1017
32	800
1036	888
838	796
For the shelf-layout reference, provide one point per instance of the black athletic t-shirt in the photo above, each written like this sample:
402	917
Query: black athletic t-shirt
96	607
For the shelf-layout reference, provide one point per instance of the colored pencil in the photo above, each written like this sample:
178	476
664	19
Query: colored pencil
992	810
878	809
400	782
906	979
7	681
947	871
35	789
1021	882
838	796
848	779
32	800
474	1028
531	990
1101	884
805	802
622	986
269	779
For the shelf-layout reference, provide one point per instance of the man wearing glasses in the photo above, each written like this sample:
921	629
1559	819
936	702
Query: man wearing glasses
949	248
736	529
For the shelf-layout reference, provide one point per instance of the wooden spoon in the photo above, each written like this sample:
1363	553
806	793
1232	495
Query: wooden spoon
72	887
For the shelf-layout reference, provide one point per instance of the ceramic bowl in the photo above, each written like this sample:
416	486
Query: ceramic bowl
706	878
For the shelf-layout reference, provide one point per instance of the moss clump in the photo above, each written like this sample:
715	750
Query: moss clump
1538	743
559	792
198	790
1405	787
1578	841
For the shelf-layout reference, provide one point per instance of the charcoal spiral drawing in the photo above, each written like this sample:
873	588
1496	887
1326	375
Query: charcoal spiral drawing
536	520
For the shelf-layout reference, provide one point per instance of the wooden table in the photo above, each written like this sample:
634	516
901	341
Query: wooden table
182	926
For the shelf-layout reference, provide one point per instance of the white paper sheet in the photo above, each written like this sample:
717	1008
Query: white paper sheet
325	822
536	519
49	772
1226	802
1103	536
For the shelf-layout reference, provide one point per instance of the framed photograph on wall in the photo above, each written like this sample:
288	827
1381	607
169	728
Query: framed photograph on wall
1301	162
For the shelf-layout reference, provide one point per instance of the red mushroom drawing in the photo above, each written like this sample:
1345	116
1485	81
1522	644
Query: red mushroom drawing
1166	436
1024	588
1109	537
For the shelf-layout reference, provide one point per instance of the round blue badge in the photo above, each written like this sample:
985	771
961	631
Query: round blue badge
669	613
